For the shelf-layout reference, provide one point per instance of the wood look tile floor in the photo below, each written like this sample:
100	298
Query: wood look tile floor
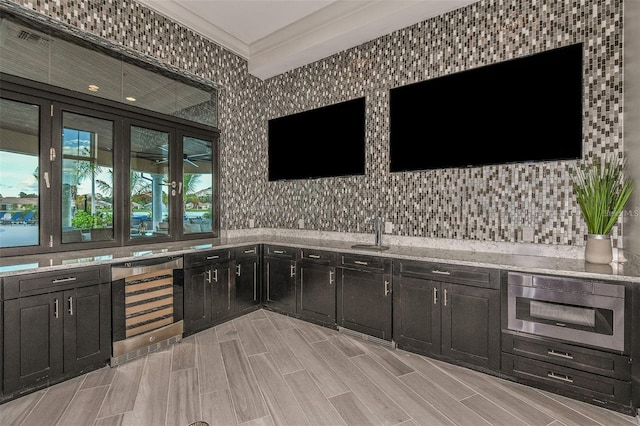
269	369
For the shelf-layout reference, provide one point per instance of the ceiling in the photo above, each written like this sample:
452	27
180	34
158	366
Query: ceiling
276	36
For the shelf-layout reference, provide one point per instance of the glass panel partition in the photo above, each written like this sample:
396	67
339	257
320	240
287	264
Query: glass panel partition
19	174
149	183
87	179
198	183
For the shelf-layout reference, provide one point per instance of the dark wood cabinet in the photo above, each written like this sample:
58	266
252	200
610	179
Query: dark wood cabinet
280	278
316	287
450	311
364	298
87	331
208	289
247	278
55	335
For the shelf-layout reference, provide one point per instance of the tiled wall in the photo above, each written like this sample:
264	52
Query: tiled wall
483	204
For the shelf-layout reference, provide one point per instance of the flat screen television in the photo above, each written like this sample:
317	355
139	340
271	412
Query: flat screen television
319	143
521	110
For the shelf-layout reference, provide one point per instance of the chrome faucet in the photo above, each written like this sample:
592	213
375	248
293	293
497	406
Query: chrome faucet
378	229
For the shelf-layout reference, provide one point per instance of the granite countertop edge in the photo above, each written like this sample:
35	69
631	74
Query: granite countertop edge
556	265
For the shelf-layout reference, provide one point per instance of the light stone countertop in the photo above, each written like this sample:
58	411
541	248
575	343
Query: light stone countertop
510	257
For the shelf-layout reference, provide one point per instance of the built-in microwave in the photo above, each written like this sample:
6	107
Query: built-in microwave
580	311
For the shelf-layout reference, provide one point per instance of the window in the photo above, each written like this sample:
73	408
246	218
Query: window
76	173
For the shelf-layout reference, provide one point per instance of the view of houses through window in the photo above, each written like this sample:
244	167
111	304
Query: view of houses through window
19	174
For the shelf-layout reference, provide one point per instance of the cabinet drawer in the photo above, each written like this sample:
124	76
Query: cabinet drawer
202	258
578	358
567	381
365	262
460	274
44	282
319	256
280	251
247	251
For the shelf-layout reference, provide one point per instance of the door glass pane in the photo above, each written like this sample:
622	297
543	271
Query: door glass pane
149	176
197	181
19	174
87	179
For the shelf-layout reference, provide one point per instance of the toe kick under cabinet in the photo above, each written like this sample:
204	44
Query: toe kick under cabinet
56	326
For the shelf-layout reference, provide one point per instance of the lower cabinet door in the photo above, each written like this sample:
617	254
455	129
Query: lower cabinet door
316	289
364	302
471	325
33	339
280	284
221	298
416	314
197	300
247	284
87	326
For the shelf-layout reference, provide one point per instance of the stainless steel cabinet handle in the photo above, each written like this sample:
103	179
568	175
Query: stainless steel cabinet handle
314	256
70	305
360	262
565	355
278	251
207	277
55	308
387	288
293	271
445	297
435	295
215	275
436	271
213	257
253	250
238	270
561	377
63	280
331	279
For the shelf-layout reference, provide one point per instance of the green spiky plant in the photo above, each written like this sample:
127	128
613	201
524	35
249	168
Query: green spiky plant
602	191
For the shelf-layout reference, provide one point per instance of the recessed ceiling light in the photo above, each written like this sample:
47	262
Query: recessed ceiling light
130	98
93	88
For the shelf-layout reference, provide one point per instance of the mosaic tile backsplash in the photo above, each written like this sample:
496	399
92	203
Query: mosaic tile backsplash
491	203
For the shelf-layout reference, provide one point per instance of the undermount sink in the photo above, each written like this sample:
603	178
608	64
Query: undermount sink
372	247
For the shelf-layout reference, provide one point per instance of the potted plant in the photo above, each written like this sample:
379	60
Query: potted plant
602	191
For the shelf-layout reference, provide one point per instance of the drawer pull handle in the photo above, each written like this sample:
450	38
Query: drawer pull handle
445	297
55	308
436	271
314	256
293	271
435	295
561	377
253	250
331	277
387	288
360	262
63	280
278	251
213	257
565	355
238	268
207	277
215	275
70	305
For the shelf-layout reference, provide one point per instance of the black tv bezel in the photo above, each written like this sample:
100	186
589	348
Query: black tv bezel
324	122
574	151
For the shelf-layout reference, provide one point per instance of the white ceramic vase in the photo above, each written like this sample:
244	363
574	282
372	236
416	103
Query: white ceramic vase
598	249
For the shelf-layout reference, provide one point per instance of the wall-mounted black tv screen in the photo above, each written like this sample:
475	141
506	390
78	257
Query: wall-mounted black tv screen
323	142
522	110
